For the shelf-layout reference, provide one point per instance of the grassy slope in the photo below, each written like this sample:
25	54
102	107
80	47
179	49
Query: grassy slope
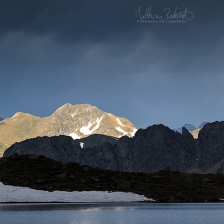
23	126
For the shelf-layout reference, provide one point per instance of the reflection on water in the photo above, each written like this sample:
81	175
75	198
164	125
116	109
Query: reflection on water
109	213
68	206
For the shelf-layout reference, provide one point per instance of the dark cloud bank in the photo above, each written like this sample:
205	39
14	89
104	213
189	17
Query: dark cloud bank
54	52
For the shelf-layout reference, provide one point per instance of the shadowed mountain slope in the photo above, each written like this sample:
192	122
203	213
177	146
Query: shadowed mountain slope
150	150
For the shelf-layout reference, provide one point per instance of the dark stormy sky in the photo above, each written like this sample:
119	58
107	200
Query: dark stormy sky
165	68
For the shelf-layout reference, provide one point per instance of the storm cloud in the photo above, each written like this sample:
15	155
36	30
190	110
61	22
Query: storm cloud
54	52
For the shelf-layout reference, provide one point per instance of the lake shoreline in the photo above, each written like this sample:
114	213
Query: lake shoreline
48	175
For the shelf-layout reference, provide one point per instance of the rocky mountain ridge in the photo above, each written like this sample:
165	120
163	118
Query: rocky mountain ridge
189	127
192	129
77	121
150	150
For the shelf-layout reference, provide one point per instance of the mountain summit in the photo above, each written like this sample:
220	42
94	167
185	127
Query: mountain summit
192	129
83	120
77	121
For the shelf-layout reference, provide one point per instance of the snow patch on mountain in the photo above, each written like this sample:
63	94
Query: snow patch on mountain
133	132
81	145
74	135
86	129
119	122
121	130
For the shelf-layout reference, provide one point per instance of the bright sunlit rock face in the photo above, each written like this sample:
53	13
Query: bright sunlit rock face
23	194
77	121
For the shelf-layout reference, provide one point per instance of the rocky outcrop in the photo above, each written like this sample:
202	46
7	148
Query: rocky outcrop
96	140
155	148
195	132
192	129
211	145
61	148
150	150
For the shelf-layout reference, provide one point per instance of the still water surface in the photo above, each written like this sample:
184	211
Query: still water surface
112	213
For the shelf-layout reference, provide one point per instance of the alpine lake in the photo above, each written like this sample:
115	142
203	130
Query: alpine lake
111	213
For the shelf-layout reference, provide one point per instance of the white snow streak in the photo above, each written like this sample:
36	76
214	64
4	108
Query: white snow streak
25	194
133	132
74	135
121	130
86	129
119	122
81	144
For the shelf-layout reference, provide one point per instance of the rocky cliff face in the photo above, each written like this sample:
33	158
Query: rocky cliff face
77	121
60	148
211	145
192	129
150	150
155	148
96	140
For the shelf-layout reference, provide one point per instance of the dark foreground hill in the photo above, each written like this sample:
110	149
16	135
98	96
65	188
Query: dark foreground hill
150	150
41	173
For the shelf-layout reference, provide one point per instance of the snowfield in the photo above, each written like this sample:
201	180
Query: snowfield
24	194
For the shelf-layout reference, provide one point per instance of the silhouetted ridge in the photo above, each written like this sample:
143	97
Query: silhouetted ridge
150	150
